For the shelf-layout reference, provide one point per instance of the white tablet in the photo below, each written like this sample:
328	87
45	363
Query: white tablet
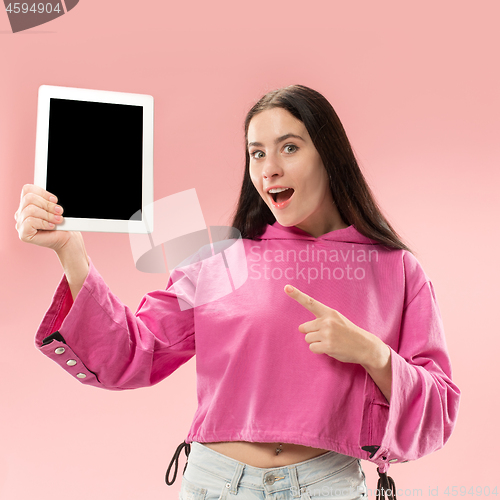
94	151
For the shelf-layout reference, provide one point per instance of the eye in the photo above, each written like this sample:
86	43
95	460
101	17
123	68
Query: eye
257	155
290	148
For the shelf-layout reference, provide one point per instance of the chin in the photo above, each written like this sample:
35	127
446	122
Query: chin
287	222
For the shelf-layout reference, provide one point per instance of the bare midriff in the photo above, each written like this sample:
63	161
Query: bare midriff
264	454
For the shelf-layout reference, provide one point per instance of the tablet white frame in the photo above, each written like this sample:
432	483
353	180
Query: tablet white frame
45	93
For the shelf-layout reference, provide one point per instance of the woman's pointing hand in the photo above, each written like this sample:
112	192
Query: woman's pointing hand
333	334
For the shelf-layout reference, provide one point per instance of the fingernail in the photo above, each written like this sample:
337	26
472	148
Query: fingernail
53	198
58	209
289	288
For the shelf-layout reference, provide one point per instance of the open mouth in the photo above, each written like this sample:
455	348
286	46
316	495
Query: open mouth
281	195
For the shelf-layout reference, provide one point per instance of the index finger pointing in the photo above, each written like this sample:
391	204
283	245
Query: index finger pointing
313	305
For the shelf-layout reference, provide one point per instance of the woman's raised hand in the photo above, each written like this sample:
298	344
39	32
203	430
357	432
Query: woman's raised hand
37	216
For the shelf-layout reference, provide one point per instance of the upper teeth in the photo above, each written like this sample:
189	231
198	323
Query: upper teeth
277	190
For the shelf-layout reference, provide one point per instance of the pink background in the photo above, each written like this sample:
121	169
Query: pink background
416	85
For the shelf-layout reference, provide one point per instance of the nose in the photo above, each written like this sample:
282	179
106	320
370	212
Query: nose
271	168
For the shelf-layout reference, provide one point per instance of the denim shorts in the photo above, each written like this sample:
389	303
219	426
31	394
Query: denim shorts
212	476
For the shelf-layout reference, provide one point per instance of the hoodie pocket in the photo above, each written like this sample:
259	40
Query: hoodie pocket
375	415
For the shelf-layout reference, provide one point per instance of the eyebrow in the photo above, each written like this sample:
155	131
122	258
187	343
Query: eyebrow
277	141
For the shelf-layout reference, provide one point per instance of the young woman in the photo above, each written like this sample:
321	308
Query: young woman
328	347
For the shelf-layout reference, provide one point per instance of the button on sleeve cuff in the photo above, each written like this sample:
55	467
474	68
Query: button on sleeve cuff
50	341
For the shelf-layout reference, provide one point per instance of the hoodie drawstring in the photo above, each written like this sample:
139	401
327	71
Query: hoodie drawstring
175	461
385	487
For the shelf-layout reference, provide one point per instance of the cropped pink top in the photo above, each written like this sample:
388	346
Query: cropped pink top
257	379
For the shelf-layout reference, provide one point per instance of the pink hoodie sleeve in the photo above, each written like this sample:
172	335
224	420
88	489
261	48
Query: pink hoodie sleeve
424	400
101	342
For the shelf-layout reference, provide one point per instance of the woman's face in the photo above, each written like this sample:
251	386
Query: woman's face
283	158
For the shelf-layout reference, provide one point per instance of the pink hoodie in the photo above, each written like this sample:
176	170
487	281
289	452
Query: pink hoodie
257	378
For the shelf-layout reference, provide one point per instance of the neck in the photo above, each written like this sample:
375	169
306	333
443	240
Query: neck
323	225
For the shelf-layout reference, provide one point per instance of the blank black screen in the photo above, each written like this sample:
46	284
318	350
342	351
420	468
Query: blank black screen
94	163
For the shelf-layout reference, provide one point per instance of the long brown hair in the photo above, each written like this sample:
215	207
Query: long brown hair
350	191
